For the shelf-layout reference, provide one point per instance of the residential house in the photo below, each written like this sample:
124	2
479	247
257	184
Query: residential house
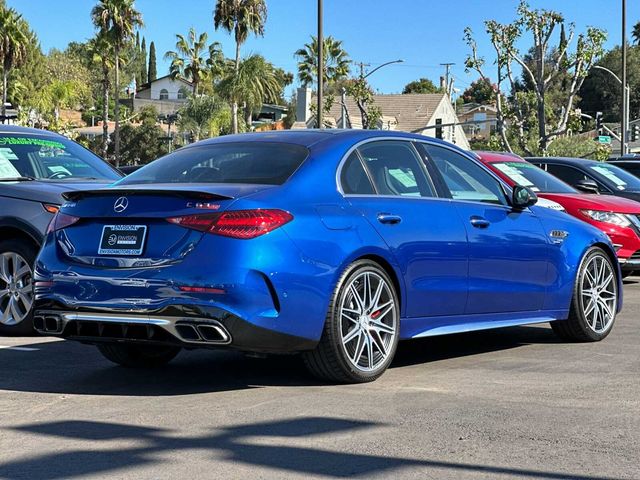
479	121
427	114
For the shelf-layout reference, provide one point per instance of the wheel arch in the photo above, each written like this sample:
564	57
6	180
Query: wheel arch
386	264
13	228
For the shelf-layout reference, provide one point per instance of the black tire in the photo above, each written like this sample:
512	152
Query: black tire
138	356
329	360
576	328
28	252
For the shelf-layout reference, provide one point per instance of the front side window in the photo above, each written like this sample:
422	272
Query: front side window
49	158
238	162
395	169
465	179
615	177
571	175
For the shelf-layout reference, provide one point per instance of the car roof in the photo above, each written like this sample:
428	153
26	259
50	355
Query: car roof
26	130
491	157
578	162
311	137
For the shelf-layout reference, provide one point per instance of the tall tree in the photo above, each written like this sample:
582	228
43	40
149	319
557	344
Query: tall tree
101	54
423	85
144	74
153	69
188	61
14	37
547	63
254	82
336	61
481	91
240	17
117	20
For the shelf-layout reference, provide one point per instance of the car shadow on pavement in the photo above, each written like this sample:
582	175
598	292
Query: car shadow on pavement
72	368
274	445
431	349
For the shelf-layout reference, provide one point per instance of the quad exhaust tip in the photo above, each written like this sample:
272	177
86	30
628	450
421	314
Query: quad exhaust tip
202	332
47	324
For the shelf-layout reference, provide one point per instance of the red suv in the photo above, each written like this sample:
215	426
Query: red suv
617	217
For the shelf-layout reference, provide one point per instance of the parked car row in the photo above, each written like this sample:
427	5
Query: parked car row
330	244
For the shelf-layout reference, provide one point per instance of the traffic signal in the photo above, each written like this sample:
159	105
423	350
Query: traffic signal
635	133
599	123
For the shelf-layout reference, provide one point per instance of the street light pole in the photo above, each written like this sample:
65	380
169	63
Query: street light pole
625	98
320	113
379	67
625	107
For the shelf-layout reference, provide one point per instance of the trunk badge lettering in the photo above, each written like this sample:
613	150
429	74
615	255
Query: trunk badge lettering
204	206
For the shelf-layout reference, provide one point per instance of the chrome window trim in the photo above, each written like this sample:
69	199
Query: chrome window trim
469	155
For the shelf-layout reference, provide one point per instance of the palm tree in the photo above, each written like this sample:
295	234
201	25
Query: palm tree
14	37
241	17
117	20
636	33
336	61
101	54
188	62
198	115
254	82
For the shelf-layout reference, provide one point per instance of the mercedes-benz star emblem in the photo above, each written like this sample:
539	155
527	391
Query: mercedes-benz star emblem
121	205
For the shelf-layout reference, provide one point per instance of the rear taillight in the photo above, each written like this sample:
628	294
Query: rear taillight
242	224
60	221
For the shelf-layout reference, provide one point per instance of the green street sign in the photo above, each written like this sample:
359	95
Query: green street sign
606	139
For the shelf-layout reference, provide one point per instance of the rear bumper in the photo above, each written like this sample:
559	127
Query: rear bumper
183	327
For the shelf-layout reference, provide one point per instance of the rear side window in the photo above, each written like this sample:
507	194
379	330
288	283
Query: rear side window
395	169
354	179
248	162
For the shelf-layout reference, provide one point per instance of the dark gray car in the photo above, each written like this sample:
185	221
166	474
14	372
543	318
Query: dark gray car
36	167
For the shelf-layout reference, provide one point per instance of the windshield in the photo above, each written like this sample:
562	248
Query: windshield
615	177
49	158
529	175
250	162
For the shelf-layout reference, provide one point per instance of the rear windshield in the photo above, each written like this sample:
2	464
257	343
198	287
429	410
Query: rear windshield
250	162
529	175
50	158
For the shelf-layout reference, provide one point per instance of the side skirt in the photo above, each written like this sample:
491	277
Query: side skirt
445	325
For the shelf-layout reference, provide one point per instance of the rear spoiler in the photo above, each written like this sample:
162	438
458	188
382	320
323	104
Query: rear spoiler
127	192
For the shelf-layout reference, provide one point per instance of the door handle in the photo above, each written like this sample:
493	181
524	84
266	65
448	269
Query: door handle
389	218
479	222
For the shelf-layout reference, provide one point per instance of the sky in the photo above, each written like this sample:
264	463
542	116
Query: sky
423	33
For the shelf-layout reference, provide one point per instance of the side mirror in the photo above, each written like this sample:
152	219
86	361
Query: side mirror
587	186
522	197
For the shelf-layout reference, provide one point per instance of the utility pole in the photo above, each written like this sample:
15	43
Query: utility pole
625	105
320	67
447	67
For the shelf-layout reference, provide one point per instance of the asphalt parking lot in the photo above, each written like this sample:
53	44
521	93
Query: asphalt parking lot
513	403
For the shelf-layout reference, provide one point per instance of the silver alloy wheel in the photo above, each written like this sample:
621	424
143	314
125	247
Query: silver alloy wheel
598	294
368	321
16	289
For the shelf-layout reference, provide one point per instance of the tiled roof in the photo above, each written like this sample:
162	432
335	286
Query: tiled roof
412	111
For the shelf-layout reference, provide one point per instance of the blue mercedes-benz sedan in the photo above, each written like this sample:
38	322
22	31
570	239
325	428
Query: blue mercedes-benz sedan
329	243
